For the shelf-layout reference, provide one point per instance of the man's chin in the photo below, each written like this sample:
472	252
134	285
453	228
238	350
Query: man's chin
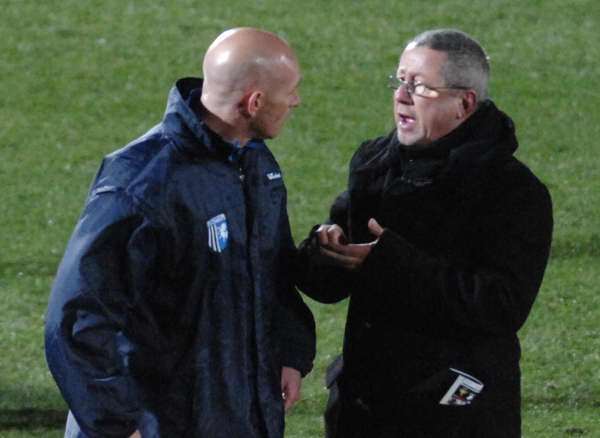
406	140
264	135
411	141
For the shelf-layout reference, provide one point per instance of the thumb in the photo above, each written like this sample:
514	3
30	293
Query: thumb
375	228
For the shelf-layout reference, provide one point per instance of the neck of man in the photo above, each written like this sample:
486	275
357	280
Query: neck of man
225	123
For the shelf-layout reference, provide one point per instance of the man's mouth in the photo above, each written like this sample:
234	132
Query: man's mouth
405	121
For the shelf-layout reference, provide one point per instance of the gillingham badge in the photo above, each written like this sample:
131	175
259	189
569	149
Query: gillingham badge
217	233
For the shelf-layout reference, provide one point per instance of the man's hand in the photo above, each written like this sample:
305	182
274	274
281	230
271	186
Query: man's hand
136	434
337	252
291	380
331	235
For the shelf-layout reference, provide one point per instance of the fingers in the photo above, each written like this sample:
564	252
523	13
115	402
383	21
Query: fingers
291	381
330	235
375	228
336	235
291	395
334	258
335	251
348	256
322	235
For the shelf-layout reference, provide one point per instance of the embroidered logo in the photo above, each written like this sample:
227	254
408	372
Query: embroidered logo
273	175
217	233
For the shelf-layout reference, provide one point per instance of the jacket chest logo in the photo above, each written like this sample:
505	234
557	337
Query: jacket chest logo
273	175
218	234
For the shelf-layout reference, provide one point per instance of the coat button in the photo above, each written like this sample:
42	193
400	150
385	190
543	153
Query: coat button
368	325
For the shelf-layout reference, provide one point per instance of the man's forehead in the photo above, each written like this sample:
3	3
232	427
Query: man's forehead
420	59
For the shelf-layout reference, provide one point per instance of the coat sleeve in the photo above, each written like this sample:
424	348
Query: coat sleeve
494	290
315	277
293	320
88	335
322	282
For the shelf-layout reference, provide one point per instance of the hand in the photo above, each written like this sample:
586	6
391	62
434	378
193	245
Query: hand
291	380
331	235
348	256
136	434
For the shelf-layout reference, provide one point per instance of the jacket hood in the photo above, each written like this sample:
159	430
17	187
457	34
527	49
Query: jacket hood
182	119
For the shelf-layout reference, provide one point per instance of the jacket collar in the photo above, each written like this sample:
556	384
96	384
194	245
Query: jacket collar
488	125
462	157
183	120
484	138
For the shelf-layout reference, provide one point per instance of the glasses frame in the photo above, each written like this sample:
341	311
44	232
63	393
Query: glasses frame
419	88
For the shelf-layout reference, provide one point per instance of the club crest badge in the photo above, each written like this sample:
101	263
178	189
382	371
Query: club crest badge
218	235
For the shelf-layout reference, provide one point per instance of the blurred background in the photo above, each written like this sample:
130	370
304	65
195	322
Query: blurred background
81	78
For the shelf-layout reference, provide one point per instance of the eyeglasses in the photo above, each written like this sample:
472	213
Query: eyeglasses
418	88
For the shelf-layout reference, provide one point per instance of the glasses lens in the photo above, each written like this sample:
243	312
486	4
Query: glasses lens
421	90
424	91
412	88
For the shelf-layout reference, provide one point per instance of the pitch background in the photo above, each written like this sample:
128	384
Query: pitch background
79	79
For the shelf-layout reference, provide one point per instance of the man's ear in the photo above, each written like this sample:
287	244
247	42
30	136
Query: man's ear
251	103
468	104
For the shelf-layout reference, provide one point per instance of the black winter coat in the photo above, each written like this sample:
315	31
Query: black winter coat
173	310
451	280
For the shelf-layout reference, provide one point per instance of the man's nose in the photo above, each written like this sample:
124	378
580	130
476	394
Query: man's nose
296	101
402	95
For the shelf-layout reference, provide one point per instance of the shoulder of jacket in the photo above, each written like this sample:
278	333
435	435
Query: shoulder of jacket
137	165
514	184
518	174
369	149
135	155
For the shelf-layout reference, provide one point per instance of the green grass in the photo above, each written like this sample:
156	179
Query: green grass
82	78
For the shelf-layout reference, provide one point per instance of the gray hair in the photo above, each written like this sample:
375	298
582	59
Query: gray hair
467	64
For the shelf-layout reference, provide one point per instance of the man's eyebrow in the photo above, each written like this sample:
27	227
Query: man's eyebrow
402	70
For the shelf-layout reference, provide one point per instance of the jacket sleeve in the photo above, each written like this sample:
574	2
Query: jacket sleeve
494	290
294	322
322	282
316	277
88	334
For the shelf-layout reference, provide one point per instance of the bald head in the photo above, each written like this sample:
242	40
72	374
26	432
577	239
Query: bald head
251	80
243	58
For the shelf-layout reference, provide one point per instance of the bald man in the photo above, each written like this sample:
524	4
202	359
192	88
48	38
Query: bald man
173	313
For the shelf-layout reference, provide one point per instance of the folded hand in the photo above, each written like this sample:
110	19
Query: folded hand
336	251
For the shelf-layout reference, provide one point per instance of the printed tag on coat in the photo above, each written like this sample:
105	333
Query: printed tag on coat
218	234
463	391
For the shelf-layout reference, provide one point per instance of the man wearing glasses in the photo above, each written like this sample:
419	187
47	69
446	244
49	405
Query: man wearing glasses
440	241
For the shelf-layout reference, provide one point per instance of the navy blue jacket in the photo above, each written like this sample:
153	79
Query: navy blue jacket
173	309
